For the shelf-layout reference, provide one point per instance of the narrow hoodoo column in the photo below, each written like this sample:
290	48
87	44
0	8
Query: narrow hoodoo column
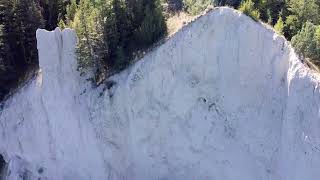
49	46
56	53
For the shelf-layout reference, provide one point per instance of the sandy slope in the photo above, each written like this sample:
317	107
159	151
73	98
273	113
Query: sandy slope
225	98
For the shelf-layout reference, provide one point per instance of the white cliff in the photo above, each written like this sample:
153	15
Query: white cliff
225	98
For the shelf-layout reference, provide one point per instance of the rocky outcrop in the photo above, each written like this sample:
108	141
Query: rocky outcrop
46	125
225	98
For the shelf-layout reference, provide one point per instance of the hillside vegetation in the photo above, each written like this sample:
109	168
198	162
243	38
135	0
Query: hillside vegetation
110	32
297	20
113	32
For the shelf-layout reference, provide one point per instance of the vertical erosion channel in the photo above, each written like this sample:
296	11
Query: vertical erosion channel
2	167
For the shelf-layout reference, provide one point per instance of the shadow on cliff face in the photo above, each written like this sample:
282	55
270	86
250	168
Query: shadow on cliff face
2	167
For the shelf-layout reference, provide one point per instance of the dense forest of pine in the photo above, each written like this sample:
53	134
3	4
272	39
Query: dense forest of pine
112	32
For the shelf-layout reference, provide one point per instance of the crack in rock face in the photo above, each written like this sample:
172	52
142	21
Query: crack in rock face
2	167
224	98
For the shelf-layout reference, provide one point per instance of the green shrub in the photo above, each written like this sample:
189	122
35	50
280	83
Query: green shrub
232	3
247	7
279	26
301	11
307	42
61	24
195	7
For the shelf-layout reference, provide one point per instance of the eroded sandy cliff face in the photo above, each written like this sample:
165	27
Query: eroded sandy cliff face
225	98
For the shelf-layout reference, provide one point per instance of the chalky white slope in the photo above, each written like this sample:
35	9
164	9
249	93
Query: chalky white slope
225	98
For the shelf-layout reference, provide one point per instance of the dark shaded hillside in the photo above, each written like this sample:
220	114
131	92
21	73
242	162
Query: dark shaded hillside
18	47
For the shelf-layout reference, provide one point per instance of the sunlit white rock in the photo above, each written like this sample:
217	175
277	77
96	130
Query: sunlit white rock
225	98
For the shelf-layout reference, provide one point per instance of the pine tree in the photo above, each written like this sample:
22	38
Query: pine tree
279	25
53	11
116	31
3	63
28	20
19	22
248	8
306	42
233	3
111	31
71	11
194	7
87	23
301	11
269	9
153	24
